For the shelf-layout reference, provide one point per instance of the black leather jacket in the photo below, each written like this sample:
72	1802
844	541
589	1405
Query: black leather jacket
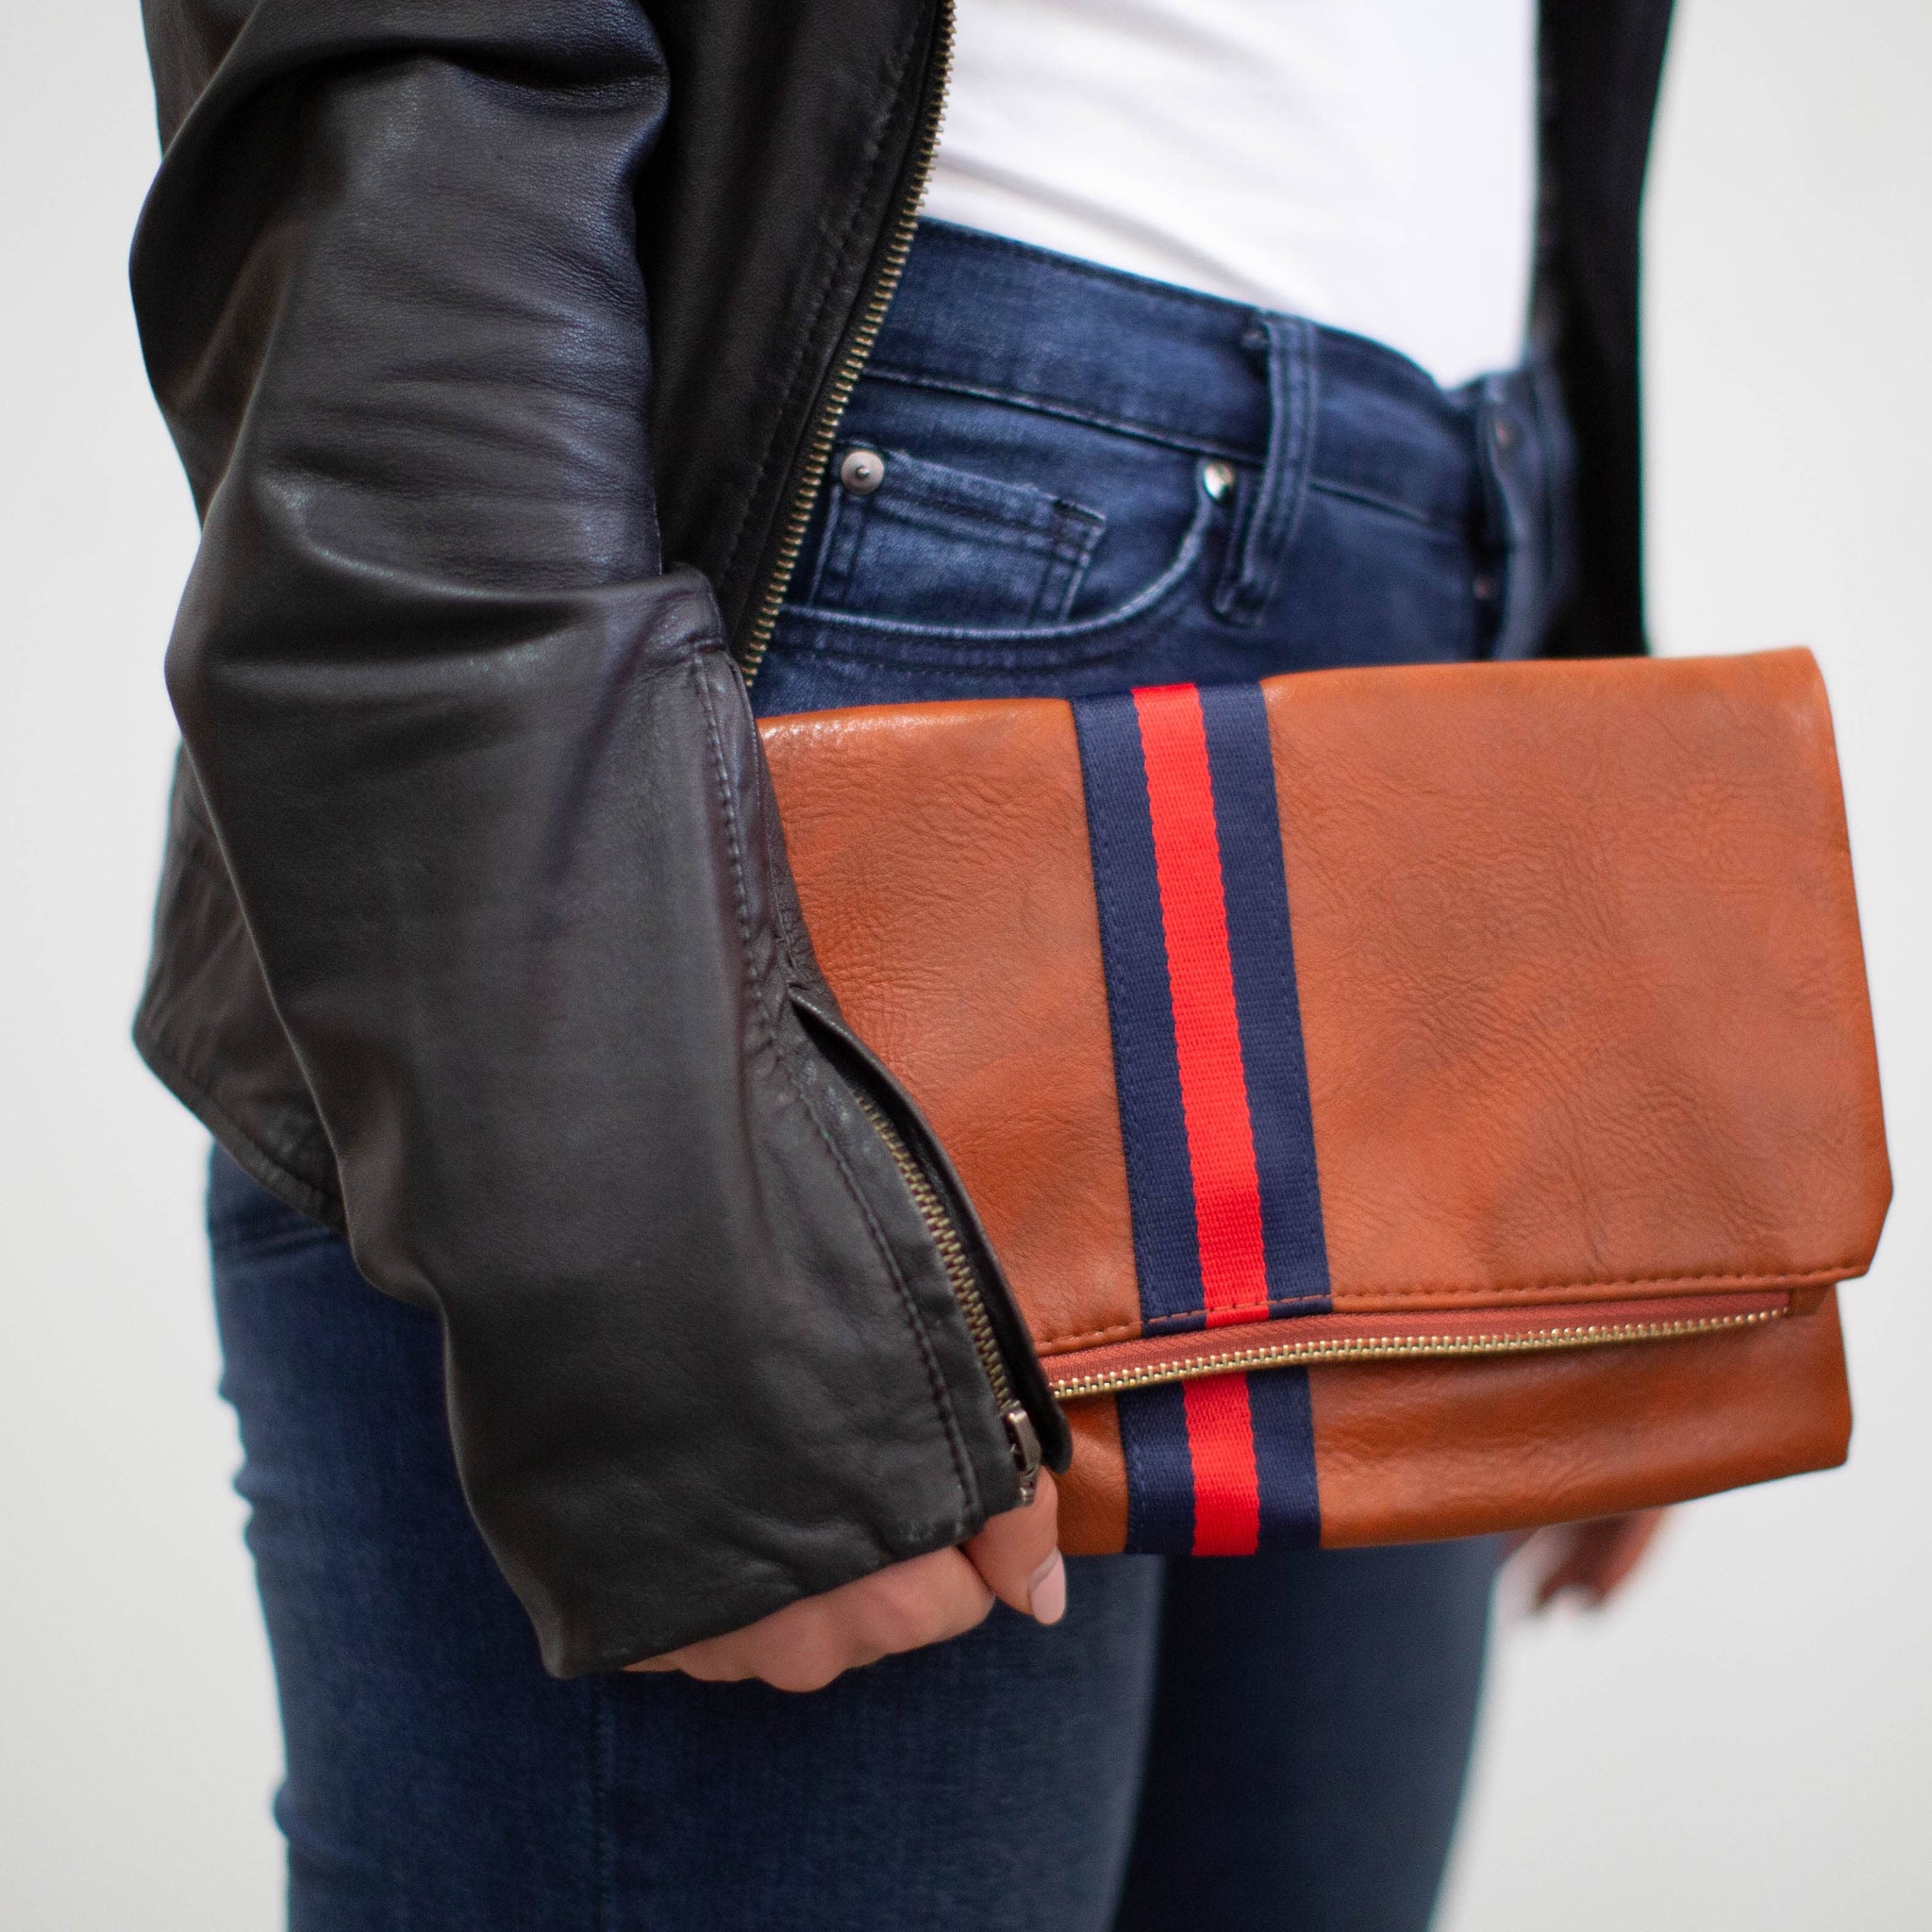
475	936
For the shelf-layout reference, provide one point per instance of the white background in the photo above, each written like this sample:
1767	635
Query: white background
1742	1743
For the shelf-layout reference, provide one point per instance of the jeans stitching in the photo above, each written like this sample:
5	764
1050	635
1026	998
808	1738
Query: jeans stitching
1192	445
954	645
979	512
1265	535
1067	412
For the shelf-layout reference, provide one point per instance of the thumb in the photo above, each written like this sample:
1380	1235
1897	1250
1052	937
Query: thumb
1018	1557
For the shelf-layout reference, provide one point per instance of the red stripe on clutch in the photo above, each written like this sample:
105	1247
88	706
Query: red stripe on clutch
1206	1023
1227	1488
1189	877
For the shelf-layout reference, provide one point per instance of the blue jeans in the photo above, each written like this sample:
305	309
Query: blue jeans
1054	478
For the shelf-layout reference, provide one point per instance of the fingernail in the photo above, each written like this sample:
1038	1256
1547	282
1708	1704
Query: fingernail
1047	1594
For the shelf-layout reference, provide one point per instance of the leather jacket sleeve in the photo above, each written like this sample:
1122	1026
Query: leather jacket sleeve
488	787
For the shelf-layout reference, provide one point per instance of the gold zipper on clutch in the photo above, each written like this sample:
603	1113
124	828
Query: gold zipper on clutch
852	362
1021	1438
1395	1348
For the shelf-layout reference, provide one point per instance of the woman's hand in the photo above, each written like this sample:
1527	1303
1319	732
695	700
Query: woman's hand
1593	1559
803	1646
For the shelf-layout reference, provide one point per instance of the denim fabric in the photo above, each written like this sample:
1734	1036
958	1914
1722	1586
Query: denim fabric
1051	519
1272	1741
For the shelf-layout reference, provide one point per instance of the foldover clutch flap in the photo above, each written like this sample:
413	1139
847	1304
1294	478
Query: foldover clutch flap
1445	1095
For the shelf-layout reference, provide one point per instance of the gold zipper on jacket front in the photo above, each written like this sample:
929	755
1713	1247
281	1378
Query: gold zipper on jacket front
1393	1348
1021	1438
871	317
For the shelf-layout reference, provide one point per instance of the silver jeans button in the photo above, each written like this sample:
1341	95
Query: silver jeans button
862	470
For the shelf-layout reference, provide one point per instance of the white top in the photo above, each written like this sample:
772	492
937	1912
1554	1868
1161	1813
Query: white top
1366	163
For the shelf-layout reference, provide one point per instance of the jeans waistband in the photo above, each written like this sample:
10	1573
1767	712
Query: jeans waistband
991	317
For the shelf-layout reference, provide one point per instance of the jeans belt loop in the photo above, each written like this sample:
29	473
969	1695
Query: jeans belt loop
1265	525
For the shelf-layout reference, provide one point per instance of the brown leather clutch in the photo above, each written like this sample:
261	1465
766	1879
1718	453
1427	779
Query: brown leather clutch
1407	1103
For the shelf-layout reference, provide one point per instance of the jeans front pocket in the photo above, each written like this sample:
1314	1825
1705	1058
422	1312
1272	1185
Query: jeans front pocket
920	542
822	657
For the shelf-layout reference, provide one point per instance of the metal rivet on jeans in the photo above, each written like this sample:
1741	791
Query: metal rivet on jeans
1505	433
862	470
1217	479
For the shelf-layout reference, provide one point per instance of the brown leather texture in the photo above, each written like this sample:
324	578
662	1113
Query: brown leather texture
1416	1450
1093	1491
941	854
1584	1005
1412	1451
1581	980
